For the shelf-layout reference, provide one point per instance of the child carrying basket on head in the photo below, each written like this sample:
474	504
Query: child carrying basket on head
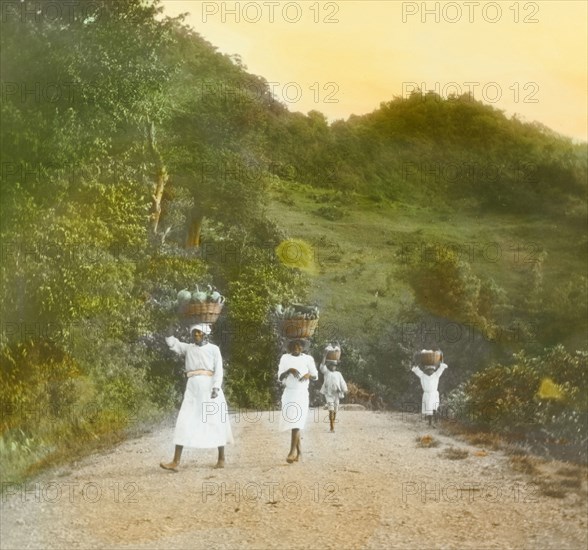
433	366
334	386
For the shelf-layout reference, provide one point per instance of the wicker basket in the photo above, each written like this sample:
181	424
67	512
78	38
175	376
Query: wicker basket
333	354
298	328
427	358
202	313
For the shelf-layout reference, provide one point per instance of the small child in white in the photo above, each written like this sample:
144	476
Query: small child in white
430	383
334	388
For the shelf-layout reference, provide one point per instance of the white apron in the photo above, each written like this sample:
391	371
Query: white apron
203	423
294	408
295	400
430	402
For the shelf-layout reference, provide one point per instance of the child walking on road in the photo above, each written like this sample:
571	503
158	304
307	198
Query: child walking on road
334	388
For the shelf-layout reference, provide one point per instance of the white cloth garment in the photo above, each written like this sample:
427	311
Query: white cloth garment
430	383
334	388
295	396
203	422
334	383
202	327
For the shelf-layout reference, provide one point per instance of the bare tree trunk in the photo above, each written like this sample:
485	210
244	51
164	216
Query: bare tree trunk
194	231
161	179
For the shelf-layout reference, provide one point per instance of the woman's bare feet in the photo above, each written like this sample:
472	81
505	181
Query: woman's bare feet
171	466
298	449
294	446
220	463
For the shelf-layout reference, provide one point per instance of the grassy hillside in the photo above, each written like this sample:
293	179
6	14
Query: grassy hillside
359	254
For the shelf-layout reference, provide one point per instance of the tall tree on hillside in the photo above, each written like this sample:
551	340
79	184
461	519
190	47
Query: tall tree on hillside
215	139
100	78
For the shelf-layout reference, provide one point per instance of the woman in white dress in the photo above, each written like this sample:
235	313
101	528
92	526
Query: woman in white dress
295	370
203	421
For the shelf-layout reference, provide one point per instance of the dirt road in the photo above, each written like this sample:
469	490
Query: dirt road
368	485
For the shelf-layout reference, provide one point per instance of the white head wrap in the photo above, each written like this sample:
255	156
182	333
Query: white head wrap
202	327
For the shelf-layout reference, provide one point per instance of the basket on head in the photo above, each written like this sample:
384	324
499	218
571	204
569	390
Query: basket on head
206	312
297	328
428	357
333	353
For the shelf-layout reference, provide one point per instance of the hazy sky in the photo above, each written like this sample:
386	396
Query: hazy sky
346	57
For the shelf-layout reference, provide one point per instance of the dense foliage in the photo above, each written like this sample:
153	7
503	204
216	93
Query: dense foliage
541	398
121	185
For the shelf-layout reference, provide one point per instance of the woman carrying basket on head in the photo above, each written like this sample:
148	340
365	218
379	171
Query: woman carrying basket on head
295	370
203	421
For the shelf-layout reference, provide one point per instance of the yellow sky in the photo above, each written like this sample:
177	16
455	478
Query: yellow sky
346	57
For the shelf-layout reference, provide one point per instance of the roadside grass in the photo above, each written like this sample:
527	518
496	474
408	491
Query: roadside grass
426	441
552	489
561	480
553	478
64	444
575	483
484	439
475	437
454	453
525	464
547	476
570	471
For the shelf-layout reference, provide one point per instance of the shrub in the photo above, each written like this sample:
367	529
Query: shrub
444	285
541	397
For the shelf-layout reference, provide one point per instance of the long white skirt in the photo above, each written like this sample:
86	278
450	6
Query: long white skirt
430	402
203	423
294	409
